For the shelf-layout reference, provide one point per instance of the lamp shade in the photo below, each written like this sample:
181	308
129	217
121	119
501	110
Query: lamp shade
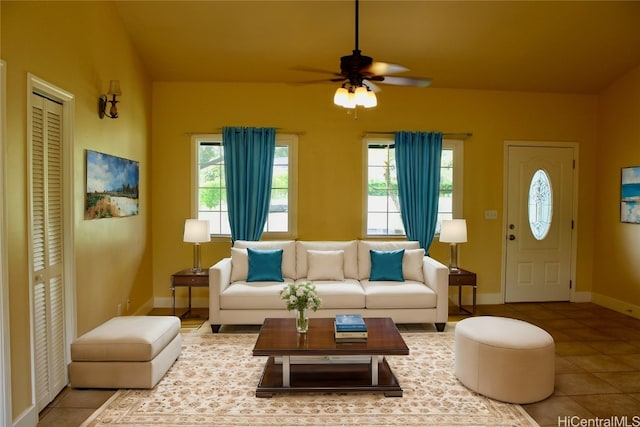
341	96
372	100
114	88
453	231
196	231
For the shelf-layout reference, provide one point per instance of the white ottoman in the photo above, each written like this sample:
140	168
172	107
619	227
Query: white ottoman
125	352
505	359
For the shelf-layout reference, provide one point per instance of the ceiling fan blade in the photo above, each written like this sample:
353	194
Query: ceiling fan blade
374	87
382	68
315	70
306	82
406	81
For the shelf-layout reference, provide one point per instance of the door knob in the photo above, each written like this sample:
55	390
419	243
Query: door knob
512	237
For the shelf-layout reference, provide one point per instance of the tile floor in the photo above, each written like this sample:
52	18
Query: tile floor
597	367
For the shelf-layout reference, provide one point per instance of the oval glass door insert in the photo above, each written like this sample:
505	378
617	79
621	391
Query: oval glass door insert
540	204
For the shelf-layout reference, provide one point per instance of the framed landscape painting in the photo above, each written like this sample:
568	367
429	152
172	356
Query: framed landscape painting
112	186
630	195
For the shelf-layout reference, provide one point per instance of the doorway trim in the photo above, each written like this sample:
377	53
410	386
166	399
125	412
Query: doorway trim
42	87
505	195
5	351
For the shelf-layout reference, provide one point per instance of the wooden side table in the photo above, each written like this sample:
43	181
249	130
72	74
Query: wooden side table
190	279
462	278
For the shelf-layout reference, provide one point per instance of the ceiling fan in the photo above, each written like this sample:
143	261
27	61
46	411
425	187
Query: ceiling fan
359	72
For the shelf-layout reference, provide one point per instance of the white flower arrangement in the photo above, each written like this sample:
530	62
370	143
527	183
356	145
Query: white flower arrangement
301	296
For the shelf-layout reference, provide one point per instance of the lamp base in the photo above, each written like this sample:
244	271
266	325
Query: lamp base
453	256
196	258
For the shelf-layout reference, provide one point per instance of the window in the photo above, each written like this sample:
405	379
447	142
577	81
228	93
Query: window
540	204
381	187
210	193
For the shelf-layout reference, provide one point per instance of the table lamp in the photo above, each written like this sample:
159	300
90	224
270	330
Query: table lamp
196	231
453	231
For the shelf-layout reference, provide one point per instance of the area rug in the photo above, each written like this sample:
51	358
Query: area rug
213	384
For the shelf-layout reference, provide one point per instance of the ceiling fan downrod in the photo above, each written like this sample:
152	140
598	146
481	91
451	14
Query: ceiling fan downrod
357	25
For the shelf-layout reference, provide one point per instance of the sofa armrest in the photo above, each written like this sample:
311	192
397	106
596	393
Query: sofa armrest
436	276
219	278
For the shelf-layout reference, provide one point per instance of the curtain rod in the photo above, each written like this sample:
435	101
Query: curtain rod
219	130
463	135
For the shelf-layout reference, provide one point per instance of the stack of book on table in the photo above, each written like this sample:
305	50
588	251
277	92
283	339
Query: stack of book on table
350	328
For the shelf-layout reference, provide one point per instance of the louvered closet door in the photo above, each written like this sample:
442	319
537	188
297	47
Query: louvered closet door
47	245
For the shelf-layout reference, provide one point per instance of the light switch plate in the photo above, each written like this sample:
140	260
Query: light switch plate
490	214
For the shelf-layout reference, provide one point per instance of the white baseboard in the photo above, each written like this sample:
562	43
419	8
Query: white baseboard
498	298
617	305
467	298
29	418
145	309
164	302
581	297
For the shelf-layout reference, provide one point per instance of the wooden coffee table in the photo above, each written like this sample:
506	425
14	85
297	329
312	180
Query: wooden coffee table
314	362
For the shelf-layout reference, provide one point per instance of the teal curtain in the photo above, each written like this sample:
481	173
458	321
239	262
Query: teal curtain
248	160
418	157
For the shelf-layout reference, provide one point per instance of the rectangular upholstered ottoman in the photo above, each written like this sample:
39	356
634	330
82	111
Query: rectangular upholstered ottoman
125	352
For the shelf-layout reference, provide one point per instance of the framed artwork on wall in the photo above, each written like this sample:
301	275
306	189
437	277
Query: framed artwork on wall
111	186
630	195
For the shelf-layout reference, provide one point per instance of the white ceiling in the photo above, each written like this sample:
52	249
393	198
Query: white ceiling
570	47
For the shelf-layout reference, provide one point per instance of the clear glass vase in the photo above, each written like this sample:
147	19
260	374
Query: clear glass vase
302	321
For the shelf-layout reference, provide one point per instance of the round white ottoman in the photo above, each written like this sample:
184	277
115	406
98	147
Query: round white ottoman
505	359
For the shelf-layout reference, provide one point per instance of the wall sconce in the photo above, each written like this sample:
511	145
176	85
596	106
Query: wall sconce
196	232
114	90
453	231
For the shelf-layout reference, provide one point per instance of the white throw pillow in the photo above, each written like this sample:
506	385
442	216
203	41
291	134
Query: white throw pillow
412	264
239	265
325	265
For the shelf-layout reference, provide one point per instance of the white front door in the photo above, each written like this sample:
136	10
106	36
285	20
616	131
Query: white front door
539	221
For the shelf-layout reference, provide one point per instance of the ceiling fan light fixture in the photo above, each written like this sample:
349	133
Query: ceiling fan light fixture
355	96
361	95
371	100
351	101
341	96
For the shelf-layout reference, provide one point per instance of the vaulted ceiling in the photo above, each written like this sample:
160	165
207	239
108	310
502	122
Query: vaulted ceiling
542	46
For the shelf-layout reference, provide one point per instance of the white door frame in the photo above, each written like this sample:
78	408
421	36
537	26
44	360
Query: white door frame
505	194
38	85
5	352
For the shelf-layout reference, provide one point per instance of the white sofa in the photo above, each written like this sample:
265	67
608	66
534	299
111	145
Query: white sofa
340	270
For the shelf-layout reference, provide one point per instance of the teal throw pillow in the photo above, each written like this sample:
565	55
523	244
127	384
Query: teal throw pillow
265	265
386	265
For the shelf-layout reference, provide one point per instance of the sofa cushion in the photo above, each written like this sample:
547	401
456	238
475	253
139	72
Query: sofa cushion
253	296
288	253
325	265
264	265
337	294
408	294
364	257
386	265
412	264
350	249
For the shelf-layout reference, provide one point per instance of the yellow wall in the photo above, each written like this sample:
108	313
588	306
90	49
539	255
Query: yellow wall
330	158
617	255
77	47
80	46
